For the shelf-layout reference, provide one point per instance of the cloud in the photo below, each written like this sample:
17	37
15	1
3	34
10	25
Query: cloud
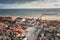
16	1
29	5
18	4
27	1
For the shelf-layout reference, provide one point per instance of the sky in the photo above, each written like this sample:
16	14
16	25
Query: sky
18	4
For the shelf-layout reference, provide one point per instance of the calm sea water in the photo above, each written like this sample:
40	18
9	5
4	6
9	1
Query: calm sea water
28	12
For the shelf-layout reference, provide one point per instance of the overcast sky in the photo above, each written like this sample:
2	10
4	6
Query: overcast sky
12	4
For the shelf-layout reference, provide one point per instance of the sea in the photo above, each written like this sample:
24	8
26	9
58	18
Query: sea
30	12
